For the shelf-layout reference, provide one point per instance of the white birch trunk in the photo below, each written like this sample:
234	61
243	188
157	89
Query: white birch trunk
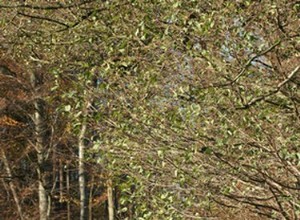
40	147
110	199
81	167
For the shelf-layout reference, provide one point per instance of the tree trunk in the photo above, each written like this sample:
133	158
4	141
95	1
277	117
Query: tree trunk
61	181
43	198
40	146
91	199
68	193
11	184
110	199
81	167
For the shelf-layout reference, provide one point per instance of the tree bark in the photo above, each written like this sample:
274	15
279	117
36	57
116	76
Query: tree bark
68	192
40	146
43	198
81	167
61	181
110	199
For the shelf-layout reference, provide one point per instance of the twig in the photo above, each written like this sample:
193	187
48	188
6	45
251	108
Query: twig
44	18
279	86
248	63
289	77
36	7
87	15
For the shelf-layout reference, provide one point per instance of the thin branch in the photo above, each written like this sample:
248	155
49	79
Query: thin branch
44	18
279	105
36	7
289	77
223	203
279	86
279	203
87	15
39	60
255	204
248	63
191	216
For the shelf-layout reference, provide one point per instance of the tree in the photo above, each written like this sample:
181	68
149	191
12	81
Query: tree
186	108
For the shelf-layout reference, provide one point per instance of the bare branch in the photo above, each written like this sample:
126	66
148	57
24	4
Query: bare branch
263	97
58	6
289	77
44	18
87	15
248	63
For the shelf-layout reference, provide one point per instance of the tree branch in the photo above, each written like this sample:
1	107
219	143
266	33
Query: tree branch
36	7
87	15
279	86
248	63
44	18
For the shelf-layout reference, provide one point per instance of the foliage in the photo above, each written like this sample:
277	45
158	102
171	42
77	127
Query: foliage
194	105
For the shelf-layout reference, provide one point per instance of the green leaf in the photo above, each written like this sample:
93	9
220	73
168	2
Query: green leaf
67	108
